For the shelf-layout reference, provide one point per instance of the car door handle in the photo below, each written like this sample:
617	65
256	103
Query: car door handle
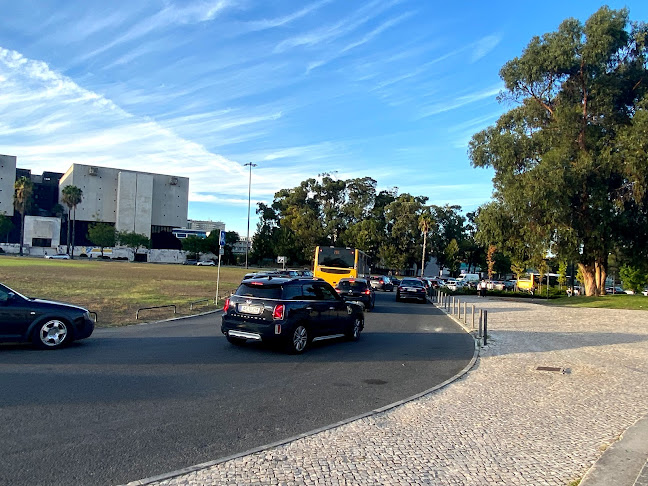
332	308
309	308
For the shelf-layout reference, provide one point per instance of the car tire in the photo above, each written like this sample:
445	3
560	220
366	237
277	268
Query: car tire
52	334
235	341
299	340
353	334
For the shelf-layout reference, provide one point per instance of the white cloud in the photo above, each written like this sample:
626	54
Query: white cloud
484	45
459	101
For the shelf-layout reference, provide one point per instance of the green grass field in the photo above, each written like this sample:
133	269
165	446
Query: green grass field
115	290
625	301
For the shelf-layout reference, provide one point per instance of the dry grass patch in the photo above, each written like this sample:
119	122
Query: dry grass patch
115	290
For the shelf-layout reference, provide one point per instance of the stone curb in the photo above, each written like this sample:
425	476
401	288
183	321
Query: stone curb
622	462
204	465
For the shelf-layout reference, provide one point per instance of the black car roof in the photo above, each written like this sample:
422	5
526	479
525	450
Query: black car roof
280	280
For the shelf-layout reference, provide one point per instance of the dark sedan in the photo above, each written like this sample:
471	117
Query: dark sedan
411	288
46	323
358	290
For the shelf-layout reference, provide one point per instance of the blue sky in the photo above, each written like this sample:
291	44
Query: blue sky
391	89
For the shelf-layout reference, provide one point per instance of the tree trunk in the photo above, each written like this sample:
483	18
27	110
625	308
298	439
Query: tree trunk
68	231
22	231
73	233
423	259
601	274
589	274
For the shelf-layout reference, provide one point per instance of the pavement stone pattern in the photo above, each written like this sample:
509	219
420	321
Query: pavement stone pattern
642	479
503	423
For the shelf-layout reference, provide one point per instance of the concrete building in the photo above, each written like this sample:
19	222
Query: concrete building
207	226
139	202
7	180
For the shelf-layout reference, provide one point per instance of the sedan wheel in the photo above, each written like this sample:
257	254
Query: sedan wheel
52	334
299	340
354	332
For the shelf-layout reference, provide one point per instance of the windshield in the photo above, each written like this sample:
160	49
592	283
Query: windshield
336	257
348	285
261	291
411	283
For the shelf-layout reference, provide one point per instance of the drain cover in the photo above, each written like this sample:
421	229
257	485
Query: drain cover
548	368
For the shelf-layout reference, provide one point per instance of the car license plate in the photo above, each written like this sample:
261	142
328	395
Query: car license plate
249	309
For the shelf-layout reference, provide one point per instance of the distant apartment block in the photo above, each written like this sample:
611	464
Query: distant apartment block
139	202
7	180
207	226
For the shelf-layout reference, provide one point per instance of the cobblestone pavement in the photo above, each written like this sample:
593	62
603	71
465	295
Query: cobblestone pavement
503	423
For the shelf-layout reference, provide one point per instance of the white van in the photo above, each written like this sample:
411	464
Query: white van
467	278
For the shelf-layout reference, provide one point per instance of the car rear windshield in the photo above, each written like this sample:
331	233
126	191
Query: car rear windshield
263	291
348	285
336	257
411	283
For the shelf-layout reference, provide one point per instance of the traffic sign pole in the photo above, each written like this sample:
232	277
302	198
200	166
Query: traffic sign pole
221	244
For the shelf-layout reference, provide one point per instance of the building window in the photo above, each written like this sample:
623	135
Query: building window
42	242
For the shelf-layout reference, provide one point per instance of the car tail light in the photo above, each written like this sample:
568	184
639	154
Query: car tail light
226	305
339	291
367	292
278	312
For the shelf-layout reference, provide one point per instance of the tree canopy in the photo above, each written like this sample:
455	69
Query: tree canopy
570	159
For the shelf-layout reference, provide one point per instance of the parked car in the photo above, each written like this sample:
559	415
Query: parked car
206	263
495	285
615	290
451	284
292	312
47	324
190	262
411	288
357	289
58	256
395	281
381	282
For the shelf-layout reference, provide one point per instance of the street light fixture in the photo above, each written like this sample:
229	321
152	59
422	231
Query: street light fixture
247	240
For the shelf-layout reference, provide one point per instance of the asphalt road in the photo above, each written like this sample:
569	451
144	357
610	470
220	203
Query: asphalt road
142	400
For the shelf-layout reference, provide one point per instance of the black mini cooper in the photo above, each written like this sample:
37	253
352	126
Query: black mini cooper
290	311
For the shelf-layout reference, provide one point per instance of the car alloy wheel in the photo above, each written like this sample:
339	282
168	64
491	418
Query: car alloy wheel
52	334
355	331
299	339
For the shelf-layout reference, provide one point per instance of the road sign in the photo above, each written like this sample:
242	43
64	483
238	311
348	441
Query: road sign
222	239
221	251
281	259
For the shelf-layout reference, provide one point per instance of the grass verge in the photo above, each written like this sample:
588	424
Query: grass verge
624	301
115	290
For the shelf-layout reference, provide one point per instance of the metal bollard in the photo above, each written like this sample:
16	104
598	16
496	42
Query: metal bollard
485	327
473	316
465	317
458	309
481	313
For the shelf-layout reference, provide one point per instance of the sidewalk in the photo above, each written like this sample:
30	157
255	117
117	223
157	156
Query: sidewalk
503	423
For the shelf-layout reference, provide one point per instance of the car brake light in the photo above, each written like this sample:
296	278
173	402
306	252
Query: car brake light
339	291
278	312
226	305
368	292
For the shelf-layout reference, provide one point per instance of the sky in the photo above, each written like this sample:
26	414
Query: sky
390	89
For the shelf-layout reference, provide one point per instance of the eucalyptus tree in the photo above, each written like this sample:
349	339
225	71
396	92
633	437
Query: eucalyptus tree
570	160
23	192
71	197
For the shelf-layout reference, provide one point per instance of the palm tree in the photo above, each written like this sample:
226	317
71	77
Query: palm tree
425	225
72	196
23	190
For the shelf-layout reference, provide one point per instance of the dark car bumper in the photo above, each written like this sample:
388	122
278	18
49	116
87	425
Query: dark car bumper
83	327
413	295
265	330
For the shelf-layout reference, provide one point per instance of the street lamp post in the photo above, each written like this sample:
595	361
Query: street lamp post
247	240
